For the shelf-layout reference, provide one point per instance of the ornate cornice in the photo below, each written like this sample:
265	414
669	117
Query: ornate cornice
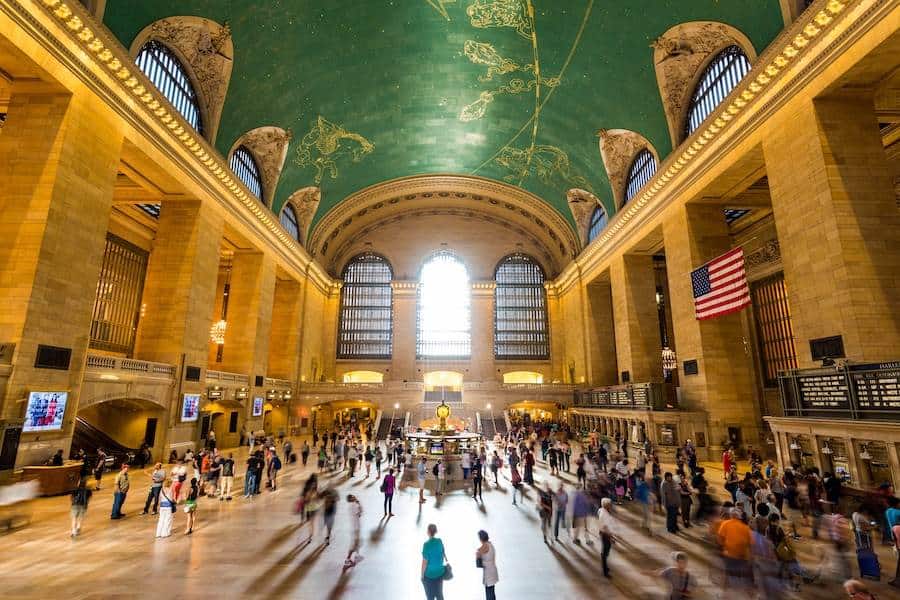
108	71
409	191
753	100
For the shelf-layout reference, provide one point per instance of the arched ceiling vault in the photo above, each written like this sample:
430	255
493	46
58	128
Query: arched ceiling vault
510	90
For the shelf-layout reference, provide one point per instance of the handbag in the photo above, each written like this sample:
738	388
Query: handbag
784	551
479	563
448	572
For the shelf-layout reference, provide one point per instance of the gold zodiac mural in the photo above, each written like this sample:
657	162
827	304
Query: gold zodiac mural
441	6
325	144
501	13
549	163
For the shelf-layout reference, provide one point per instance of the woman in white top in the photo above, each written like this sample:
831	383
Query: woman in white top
486	559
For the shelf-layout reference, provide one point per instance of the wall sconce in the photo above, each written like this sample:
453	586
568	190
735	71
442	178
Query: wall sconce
396	405
826	448
864	454
795	445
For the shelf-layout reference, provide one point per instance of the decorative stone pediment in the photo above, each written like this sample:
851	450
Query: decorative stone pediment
680	55
582	204
269	146
206	50
305	202
618	148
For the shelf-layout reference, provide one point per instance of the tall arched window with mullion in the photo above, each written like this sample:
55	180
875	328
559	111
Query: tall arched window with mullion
288	219
597	223
721	76
244	166
366	318
520	310
642	170
444	320
166	72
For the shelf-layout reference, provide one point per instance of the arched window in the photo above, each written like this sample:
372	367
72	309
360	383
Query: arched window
366	320
598	222
642	169
723	73
166	72
444	320
289	221
520	310
244	166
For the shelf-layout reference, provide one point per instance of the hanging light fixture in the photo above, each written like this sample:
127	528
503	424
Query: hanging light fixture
795	445
826	448
864	455
669	361
217	332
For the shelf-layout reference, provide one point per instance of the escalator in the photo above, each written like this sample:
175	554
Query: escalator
88	438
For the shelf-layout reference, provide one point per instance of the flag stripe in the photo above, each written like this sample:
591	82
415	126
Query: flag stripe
720	286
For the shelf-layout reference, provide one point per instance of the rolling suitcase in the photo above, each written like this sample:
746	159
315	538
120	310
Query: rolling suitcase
868	564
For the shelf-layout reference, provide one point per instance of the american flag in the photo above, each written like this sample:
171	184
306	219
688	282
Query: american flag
720	286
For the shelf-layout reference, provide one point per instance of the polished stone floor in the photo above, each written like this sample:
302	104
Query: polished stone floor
249	549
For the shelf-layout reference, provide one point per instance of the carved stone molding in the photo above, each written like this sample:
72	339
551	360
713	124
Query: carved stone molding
618	147
582	205
680	55
305	202
766	256
269	146
451	191
206	50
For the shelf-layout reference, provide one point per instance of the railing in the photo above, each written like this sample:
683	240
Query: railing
549	388
637	396
865	391
226	377
100	362
272	382
325	386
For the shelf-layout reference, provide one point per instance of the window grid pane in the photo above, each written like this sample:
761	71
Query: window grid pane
598	222
170	78
366	319
520	310
244	166
117	303
773	322
642	170
443	327
720	77
289	221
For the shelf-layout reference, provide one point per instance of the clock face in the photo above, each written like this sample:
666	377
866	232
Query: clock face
443	411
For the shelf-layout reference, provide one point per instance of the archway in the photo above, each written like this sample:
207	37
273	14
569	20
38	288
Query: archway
120	426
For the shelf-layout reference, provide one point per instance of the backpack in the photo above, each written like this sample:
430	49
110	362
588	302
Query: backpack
276	463
434	470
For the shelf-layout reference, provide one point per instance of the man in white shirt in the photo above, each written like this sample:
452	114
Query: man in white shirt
609	531
355	509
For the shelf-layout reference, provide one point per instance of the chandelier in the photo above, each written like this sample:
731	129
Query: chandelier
217	332
669	362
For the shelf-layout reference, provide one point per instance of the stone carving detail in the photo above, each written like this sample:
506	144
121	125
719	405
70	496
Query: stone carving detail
207	48
582	205
618	147
679	55
269	146
306	203
769	253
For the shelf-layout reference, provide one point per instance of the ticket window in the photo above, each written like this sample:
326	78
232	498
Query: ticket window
876	468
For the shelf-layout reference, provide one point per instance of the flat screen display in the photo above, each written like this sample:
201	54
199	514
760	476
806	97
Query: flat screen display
45	411
437	448
190	408
257	407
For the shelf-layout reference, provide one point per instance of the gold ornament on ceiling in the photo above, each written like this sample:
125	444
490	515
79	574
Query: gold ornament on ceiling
325	144
549	163
501	13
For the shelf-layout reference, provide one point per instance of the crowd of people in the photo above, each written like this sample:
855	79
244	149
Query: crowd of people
753	525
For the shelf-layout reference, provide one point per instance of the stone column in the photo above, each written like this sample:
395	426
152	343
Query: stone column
638	347
250	322
179	295
603	366
838	226
403	361
481	365
284	346
724	387
58	160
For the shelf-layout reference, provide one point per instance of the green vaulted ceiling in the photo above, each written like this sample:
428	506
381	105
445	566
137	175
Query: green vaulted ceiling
409	87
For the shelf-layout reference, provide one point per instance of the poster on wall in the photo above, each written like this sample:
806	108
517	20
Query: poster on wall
190	408
45	411
257	407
